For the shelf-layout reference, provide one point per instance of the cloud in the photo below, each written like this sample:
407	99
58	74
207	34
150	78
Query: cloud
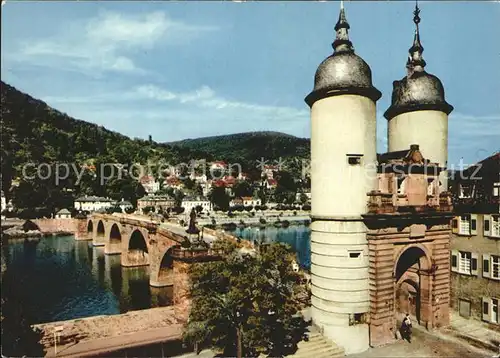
108	41
205	97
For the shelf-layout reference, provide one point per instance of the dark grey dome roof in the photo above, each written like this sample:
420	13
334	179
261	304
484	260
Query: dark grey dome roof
343	72
418	91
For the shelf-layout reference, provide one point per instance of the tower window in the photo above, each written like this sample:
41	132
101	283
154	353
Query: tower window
354	159
357	318
354	254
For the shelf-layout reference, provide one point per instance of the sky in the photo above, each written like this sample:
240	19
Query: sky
178	70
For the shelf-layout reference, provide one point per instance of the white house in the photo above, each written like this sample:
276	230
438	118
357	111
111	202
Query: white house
4	203
92	203
250	201
123	204
150	184
63	214
189	202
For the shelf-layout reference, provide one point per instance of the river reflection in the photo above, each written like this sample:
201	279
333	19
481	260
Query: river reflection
298	237
59	278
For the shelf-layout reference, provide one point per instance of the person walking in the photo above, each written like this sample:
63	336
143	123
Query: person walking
406	328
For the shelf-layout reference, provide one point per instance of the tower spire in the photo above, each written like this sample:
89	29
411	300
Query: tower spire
342	42
416	61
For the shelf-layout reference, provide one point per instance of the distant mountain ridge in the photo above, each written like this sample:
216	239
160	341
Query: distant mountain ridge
249	146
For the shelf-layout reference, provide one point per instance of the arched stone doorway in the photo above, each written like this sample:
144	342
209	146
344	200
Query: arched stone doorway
412	282
165	273
114	244
137	253
100	238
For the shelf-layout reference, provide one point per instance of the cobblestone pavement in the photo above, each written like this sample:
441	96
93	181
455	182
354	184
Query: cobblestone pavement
425	344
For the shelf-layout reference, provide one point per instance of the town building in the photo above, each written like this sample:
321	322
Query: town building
159	202
63	214
174	183
150	184
475	242
123	205
218	166
375	256
245	201
268	171
92	203
3	203
191	202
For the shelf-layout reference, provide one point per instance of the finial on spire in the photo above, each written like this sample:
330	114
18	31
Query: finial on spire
342	42
416	61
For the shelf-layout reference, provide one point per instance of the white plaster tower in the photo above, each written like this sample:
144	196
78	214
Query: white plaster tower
419	112
343	156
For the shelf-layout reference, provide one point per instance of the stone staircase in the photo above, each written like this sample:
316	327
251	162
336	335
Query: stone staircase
317	347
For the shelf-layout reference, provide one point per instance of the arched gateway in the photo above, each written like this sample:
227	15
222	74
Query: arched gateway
408	242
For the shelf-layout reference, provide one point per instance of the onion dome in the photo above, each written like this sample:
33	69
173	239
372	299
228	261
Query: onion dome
343	72
419	90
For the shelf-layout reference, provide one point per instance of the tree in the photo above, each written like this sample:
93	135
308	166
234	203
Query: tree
242	188
250	299
303	198
18	338
219	198
178	196
199	208
148	209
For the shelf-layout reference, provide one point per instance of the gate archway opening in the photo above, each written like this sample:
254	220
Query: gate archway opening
100	229
115	237
411	277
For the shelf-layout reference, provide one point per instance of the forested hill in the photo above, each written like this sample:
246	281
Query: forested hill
250	146
33	132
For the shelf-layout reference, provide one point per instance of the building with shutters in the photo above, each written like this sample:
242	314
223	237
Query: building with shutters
475	241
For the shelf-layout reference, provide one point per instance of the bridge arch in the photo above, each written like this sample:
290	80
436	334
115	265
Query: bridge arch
115	236
100	228
90	228
137	251
137	241
162	271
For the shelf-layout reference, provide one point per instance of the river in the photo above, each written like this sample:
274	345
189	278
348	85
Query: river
59	278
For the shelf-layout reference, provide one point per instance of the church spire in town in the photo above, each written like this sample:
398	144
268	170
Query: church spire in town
342	42
416	61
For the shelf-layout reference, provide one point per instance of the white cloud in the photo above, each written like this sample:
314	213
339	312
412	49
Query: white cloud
205	97
108	41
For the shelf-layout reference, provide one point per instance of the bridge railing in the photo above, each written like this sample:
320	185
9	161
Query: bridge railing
196	254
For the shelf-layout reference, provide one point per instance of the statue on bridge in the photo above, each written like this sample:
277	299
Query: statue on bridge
192	229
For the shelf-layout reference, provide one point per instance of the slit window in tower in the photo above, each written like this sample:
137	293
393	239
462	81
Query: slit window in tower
354	254
354	159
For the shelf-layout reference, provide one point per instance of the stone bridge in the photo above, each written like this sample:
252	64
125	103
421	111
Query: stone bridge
141	242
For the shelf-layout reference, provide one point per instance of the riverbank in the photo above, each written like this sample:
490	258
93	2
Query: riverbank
82	331
37	228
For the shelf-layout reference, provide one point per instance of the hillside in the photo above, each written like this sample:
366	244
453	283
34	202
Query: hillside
249	146
33	132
